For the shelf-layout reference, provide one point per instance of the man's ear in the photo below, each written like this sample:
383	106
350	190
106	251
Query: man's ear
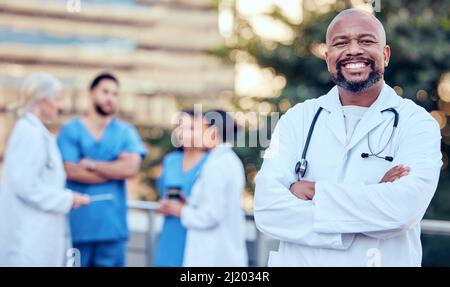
387	55
92	93
326	59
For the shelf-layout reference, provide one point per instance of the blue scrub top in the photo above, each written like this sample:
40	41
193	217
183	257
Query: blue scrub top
172	239
101	220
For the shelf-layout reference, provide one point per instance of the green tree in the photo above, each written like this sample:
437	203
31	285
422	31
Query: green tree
417	31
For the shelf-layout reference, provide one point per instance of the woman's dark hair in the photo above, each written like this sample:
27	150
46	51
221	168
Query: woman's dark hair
189	112
224	123
102	76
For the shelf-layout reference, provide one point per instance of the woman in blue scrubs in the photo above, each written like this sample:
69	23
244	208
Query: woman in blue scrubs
179	172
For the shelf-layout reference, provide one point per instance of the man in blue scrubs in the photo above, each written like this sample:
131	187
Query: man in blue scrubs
100	152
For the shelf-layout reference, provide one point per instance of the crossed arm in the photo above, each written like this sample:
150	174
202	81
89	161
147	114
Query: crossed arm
305	190
94	172
390	207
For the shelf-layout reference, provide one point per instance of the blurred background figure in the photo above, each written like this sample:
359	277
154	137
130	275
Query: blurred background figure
179	172
33	199
213	214
100	152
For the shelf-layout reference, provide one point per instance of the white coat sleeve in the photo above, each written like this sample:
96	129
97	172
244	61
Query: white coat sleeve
278	213
29	157
386	210
210	210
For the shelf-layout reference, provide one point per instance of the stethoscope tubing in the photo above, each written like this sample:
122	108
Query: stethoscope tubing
302	165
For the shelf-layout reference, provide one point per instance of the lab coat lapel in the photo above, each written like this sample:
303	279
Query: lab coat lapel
374	116
371	119
335	120
202	177
37	123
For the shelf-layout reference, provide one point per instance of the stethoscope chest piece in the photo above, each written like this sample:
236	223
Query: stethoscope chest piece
50	164
300	167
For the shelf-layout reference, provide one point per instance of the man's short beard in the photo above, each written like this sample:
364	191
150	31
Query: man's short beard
356	87
101	111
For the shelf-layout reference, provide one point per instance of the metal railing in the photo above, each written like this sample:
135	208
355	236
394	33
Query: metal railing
259	258
254	243
436	227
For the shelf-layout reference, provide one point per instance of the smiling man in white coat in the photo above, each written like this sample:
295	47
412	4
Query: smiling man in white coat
348	176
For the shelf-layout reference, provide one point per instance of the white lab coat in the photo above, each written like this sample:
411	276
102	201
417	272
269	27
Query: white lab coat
352	220
33	200
213	215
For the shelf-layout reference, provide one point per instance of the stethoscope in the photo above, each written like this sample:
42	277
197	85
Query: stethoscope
302	165
50	163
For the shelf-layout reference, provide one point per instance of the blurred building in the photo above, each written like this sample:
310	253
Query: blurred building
157	48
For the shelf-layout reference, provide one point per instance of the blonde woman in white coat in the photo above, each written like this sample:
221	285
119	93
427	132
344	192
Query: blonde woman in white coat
33	200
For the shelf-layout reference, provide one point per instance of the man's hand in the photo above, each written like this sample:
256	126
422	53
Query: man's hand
88	164
174	207
395	173
303	189
124	167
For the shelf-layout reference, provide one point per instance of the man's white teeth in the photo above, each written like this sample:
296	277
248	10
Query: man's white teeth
355	65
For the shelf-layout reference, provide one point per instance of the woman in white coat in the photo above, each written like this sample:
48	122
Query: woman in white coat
213	215
33	200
